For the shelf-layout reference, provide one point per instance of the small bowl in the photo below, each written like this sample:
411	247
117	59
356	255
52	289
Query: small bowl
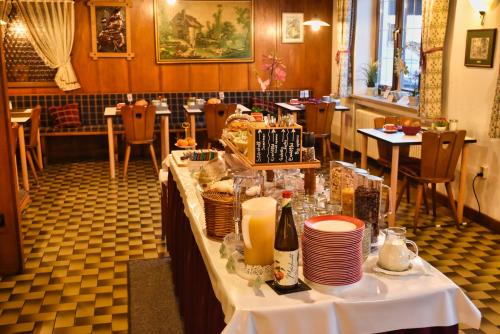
411	130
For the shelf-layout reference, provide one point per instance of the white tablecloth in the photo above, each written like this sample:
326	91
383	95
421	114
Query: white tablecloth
377	303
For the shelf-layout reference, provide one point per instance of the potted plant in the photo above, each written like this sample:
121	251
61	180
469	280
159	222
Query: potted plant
370	72
440	124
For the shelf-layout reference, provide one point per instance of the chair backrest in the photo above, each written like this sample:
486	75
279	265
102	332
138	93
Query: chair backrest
440	153
139	123
14	134
35	125
215	118
385	150
319	117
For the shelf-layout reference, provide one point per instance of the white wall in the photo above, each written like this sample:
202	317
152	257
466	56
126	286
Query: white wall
468	96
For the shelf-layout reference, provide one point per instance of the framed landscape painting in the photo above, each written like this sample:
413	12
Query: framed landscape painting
292	28
204	31
480	47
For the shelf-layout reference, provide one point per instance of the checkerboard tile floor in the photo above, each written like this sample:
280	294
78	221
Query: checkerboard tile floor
79	232
81	229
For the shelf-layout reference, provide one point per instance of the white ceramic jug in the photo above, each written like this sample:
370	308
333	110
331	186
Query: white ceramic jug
394	255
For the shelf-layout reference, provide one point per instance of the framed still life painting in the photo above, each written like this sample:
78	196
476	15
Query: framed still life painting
292	28
110	24
480	47
204	31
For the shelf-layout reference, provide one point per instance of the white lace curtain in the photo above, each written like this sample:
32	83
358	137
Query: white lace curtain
51	27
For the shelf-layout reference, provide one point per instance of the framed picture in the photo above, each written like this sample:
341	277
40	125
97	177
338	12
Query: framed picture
110	24
204	31
480	47
292	29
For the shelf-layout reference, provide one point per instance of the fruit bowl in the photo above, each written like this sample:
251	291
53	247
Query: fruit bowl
411	130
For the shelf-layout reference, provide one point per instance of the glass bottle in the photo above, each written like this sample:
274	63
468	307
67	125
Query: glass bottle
286	247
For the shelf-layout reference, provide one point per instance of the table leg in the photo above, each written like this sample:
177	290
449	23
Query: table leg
462	185
22	156
342	135
165	133
192	120
111	148
364	151
39	150
394	185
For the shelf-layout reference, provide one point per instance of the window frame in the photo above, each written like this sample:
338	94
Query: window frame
396	82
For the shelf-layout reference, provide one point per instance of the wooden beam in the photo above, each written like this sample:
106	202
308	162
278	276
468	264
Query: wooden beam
11	253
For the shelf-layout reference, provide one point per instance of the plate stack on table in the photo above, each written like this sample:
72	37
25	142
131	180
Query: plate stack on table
331	248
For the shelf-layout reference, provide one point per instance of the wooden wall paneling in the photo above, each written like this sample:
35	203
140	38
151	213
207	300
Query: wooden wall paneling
144	73
309	64
319	48
233	76
203	77
174	78
11	252
293	54
265	29
113	75
86	68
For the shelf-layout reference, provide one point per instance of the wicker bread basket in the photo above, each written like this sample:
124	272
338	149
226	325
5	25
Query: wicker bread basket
218	213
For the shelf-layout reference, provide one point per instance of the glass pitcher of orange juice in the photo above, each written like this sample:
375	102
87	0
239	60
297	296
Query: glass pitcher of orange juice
258	226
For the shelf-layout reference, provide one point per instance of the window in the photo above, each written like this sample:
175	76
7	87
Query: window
399	32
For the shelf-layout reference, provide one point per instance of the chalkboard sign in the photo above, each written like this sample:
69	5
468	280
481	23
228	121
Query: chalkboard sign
275	145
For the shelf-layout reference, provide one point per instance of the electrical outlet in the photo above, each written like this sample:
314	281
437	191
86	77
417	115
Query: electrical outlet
484	170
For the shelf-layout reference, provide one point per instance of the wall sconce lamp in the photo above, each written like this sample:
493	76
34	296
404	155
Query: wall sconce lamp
171	2
316	24
482	7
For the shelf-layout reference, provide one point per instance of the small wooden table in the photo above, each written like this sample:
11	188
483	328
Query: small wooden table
110	112
192	111
294	109
400	139
20	120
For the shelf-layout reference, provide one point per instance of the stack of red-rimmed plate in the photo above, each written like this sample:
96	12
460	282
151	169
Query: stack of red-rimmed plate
331	250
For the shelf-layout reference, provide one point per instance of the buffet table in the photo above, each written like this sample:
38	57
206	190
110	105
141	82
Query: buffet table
213	300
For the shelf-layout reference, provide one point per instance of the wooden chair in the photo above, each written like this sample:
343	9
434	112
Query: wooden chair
139	125
31	147
319	119
215	118
440	153
14	130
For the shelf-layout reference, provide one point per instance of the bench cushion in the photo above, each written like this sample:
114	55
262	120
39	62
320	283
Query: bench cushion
67	116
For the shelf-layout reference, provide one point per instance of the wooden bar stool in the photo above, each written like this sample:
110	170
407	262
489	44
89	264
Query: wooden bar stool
32	146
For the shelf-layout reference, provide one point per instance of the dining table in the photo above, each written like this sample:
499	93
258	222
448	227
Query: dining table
21	117
193	110
162	111
296	108
398	139
214	299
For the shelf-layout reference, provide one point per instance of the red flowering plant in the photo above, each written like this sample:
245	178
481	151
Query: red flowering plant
275	70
